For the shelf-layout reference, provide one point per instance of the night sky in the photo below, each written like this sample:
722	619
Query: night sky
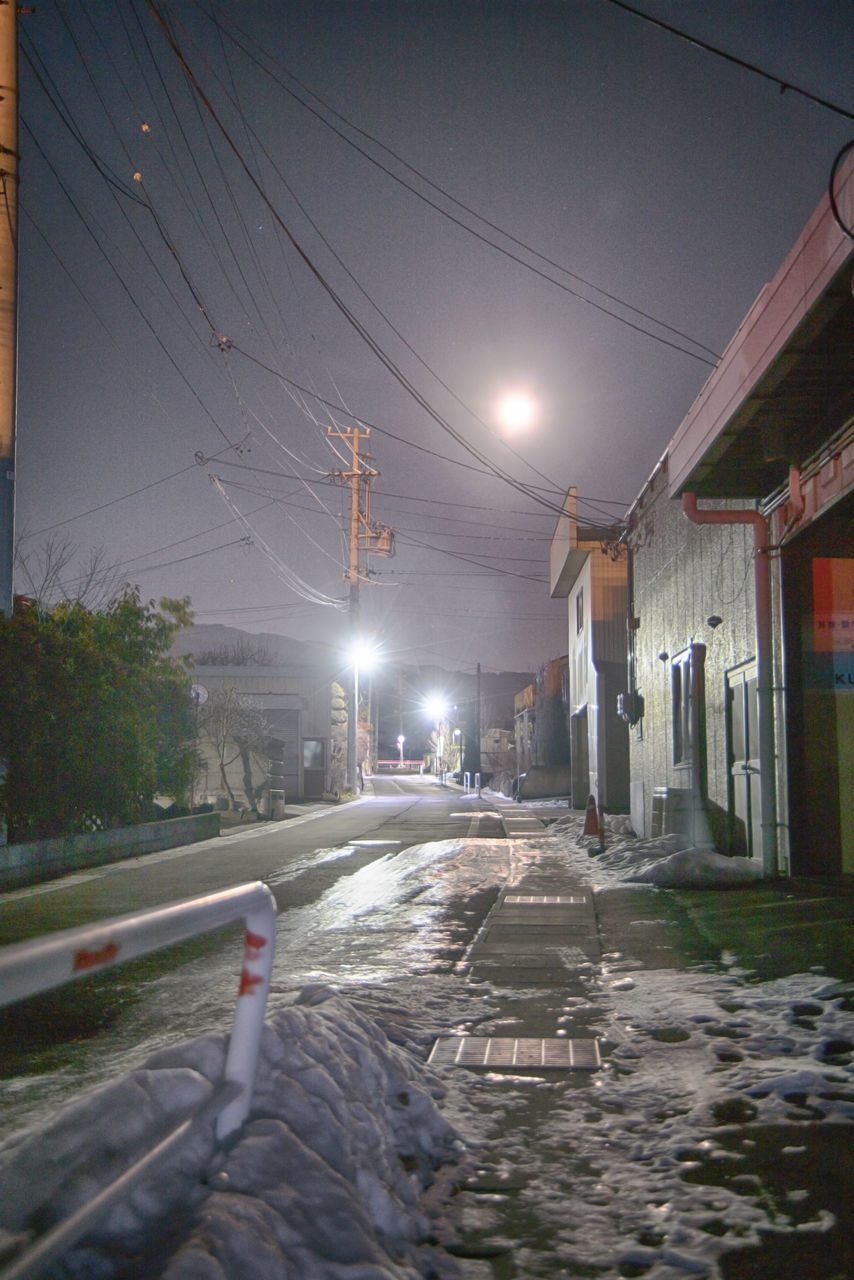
395	211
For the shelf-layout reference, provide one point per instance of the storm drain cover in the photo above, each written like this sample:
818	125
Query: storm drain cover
541	899
491	1052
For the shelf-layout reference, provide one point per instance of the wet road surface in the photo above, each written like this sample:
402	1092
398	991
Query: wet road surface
54	1044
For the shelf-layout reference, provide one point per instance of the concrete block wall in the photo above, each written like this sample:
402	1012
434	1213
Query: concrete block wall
33	863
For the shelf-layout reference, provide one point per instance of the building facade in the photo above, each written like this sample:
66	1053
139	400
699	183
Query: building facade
743	561
589	569
289	718
692	664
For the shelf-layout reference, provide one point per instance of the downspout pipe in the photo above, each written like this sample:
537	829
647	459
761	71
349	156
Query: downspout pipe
764	664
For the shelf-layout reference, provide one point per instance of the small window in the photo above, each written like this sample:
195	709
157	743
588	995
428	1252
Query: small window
579	612
313	753
687	688
680	690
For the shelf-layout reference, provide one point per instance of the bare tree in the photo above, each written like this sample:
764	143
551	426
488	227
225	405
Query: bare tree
243	653
235	729
56	573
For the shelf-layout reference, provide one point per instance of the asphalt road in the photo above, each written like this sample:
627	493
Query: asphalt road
66	1031
396	813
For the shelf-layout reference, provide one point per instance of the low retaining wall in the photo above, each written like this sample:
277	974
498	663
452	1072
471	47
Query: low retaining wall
543	781
25	864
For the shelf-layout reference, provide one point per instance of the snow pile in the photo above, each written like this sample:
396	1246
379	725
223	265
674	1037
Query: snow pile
669	861
697	869
323	1181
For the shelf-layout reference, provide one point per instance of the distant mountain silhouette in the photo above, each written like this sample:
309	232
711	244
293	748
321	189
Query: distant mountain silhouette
212	638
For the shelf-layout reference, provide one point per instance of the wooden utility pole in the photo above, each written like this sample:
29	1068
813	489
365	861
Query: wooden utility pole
359	478
8	290
365	536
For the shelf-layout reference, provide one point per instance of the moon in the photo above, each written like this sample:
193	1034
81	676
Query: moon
516	410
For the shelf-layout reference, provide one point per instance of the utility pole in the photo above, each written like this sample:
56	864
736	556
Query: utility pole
8	307
8	291
366	536
471	754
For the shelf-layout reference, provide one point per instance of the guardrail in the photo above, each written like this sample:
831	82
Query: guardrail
27	968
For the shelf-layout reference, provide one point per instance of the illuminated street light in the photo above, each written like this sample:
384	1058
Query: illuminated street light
364	654
436	707
400	741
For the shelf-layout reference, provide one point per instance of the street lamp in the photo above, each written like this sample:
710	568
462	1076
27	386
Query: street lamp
400	741
363	657
458	743
436	707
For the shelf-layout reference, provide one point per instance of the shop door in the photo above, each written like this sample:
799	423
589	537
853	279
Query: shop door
743	740
580	758
313	768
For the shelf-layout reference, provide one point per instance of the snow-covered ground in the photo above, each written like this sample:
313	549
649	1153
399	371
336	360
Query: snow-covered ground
721	1116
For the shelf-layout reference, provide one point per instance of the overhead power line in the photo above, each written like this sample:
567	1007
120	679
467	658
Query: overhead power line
368	338
288	575
486	222
785	86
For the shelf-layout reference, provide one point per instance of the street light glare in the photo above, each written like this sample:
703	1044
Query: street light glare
436	707
364	655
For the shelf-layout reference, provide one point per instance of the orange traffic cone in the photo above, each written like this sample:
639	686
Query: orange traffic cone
591	818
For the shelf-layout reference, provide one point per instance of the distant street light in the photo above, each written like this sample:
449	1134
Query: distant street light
400	741
436	706
458	743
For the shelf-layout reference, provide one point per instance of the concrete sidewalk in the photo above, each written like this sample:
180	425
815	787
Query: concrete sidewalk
554	944
777	927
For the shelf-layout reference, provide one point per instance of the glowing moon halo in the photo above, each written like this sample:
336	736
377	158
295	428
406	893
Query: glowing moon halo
516	411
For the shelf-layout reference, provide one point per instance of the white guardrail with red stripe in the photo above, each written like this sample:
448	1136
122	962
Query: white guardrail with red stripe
27	968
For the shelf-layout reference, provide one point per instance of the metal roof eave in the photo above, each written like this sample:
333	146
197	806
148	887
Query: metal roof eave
785	361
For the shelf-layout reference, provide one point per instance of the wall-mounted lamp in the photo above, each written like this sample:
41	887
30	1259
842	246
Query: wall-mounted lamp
714	621
663	657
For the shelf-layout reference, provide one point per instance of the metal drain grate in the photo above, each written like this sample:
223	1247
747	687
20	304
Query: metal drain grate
541	899
499	1051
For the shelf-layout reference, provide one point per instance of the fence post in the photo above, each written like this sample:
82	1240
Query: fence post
40	964
245	1040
